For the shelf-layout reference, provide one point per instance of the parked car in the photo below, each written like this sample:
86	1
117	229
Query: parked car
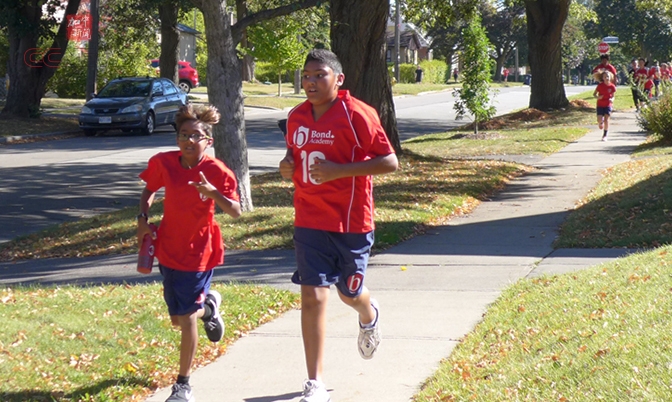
132	104
187	75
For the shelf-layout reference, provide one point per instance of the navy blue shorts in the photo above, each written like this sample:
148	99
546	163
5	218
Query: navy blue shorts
183	291
329	258
601	111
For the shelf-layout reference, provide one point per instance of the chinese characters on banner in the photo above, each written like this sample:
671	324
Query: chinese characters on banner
79	27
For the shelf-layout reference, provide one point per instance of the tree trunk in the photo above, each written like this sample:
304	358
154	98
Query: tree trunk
545	19
499	63
358	38
170	41
247	63
28	70
225	91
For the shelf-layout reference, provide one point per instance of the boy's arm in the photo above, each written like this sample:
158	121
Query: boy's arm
229	206
323	170
287	165
146	200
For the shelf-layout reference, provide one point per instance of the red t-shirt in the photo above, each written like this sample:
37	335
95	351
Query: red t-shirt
641	75
608	67
350	131
607	91
188	238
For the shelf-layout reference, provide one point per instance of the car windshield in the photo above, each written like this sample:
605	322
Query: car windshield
125	89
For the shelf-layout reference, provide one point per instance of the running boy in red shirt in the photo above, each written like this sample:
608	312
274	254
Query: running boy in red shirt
604	92
335	143
189	242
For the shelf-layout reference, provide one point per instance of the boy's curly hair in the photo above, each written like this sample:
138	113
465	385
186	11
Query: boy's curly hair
206	115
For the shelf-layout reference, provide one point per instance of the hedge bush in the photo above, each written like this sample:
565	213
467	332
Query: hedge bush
433	72
656	116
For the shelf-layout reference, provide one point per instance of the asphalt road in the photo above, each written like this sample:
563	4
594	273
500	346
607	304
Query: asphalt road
47	183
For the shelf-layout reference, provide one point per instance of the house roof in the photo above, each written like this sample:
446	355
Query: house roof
408	33
407	39
187	29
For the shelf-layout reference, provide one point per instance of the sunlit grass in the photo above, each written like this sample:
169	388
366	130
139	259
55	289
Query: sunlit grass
425	191
111	342
602	334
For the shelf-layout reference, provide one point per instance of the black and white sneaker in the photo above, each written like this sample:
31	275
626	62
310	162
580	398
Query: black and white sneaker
181	393
214	327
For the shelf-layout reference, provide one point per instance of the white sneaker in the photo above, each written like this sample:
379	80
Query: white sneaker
369	338
315	391
604	138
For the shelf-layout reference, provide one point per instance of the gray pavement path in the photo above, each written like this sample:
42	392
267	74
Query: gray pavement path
433	289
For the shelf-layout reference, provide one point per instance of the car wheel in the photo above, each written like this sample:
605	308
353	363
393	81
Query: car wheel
185	86
149	124
89	133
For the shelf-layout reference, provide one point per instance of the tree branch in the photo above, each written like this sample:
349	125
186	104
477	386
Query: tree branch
238	28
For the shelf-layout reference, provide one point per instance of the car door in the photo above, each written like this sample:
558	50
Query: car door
160	103
171	92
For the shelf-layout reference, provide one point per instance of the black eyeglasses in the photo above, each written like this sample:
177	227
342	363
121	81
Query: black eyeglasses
194	137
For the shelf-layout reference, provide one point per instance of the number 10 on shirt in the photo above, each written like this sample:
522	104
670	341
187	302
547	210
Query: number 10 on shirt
308	160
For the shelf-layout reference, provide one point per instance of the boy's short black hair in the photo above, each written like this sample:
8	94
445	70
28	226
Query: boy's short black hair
325	57
604	56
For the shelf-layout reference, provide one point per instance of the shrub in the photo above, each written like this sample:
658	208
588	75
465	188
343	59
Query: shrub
433	72
263	72
656	117
69	81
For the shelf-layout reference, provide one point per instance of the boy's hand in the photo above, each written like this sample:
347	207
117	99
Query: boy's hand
322	170
204	187
143	229
287	167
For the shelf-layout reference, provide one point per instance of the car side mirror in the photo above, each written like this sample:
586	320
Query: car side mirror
282	124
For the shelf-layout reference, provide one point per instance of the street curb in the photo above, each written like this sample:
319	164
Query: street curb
18	138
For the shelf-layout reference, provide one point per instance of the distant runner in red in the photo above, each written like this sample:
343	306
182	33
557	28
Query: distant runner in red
604	92
605	66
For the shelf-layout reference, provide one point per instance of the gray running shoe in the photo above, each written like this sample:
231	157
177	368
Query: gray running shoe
181	393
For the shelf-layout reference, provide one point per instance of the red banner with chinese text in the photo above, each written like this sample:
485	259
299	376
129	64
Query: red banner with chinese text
79	27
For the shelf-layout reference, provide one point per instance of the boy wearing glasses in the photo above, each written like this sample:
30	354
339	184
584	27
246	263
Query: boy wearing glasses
189	242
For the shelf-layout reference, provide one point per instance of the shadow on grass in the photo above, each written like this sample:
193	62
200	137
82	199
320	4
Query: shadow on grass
636	217
76	395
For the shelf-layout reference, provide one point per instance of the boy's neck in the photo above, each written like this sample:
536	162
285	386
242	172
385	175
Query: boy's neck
320	110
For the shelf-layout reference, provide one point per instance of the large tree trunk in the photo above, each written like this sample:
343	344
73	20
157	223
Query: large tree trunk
225	91
545	19
28	71
358	38
247	63
170	41
225	86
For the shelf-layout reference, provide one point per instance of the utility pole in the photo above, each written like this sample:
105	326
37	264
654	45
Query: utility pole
516	63
92	68
397	39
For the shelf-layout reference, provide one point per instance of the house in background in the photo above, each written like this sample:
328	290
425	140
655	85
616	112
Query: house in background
187	45
413	46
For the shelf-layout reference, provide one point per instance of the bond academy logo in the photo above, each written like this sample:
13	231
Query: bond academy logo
304	135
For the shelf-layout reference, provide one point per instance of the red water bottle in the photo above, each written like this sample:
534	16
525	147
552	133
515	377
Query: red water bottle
146	253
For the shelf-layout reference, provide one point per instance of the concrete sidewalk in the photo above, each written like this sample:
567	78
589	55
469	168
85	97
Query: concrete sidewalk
451	275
